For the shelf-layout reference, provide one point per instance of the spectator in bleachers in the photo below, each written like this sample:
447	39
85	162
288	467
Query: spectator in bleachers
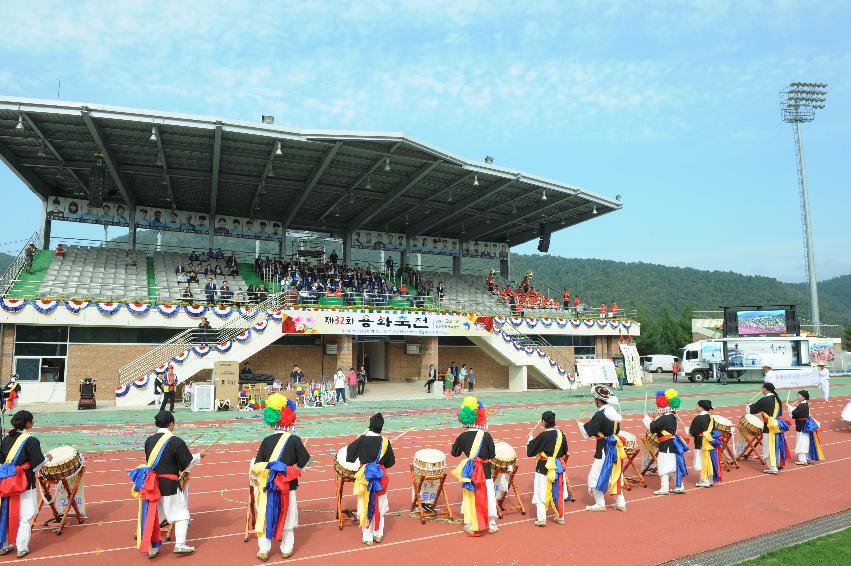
210	253
209	271
29	254
225	293
576	304
333	258
192	276
565	298
219	254
210	290
60	251
231	260
218	271
604	310
182	278
233	272
179	268
187	294
615	309
246	369
206	333
193	257
131	258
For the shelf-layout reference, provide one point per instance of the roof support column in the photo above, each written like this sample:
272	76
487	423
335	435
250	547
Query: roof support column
347	248
456	264
131	234
505	267
45	228
282	245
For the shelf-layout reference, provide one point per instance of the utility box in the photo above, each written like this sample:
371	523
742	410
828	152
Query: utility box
226	380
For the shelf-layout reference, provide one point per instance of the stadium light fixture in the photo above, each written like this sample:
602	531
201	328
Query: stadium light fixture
475	180
387	164
544	194
20	125
368	182
153	137
595	210
278	150
406	219
450	196
351	197
488	159
799	104
513	208
337	211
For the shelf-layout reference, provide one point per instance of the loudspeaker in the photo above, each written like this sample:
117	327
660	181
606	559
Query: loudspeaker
544	240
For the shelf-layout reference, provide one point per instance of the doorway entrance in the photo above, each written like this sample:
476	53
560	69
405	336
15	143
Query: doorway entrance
371	353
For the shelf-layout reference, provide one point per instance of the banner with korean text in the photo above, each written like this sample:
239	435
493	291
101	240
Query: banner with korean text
391	324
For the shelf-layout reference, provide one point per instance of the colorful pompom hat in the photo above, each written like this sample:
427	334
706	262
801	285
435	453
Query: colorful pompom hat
472	413
668	400
279	411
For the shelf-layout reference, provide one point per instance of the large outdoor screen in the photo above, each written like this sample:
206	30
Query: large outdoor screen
760	323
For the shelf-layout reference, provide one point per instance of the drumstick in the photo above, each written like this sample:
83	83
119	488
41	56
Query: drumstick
216	441
191	442
401	434
534	428
788	392
645	402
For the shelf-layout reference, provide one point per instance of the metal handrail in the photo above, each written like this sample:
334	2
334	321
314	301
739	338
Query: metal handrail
192	337
11	276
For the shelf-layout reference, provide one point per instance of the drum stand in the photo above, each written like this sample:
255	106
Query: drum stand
727	456
429	510
250	514
500	502
71	490
569	487
629	481
344	516
752	442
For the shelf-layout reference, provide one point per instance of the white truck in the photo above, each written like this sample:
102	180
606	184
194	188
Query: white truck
743	357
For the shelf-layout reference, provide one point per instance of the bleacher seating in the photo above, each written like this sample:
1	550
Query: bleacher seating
96	273
168	288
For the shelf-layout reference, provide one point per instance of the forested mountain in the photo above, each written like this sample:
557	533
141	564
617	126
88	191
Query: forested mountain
656	286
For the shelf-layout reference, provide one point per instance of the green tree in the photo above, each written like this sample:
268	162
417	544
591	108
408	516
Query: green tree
846	340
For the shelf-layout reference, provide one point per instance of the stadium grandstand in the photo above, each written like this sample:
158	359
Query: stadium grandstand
316	248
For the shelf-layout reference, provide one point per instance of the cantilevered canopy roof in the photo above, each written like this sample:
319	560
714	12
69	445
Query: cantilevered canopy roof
321	180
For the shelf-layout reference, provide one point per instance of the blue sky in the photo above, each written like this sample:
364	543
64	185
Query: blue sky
673	105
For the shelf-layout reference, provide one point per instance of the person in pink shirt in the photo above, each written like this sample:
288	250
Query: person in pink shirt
352	379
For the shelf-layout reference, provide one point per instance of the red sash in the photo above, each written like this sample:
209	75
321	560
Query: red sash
12	487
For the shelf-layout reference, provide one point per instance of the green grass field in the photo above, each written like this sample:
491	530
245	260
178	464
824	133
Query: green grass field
825	550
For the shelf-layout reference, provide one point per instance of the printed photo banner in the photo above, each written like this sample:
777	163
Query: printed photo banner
821	352
165	220
485	250
371	240
79	210
386	324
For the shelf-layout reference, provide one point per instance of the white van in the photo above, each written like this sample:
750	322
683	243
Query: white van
659	362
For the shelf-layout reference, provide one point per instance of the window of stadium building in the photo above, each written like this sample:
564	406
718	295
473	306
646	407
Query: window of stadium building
40	353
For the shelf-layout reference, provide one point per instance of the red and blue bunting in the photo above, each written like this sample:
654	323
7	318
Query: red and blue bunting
276	315
195	311
261	325
74	306
168	310
108	309
181	357
222	311
122	390
224	347
243	336
45	306
138	309
248	312
162	368
201	350
142	382
13	305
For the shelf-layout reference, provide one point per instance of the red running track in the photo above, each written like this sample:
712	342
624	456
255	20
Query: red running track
748	503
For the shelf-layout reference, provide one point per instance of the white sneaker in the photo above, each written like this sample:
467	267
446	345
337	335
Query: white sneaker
661	492
595	508
679	491
702	484
772	471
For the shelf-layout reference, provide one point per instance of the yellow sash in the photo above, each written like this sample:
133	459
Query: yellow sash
262	472
617	466
706	468
551	471
468	498
361	487
150	464
13	452
773	430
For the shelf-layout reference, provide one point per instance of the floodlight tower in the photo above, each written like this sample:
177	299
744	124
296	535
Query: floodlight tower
799	104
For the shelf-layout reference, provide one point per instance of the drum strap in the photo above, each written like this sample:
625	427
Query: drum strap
12	456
